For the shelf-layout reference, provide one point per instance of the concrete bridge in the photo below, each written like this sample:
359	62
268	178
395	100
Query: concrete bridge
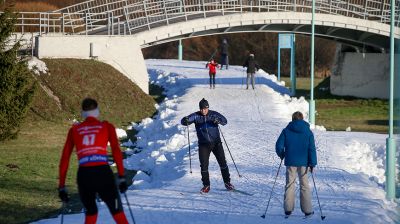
115	31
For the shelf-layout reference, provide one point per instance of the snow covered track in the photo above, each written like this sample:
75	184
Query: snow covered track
348	178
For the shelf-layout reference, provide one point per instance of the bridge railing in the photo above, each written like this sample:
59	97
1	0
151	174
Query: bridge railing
153	13
130	16
78	23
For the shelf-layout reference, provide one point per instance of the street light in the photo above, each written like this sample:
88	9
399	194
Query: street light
311	115
390	141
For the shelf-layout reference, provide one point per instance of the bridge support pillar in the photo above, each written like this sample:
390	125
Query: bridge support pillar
180	51
121	52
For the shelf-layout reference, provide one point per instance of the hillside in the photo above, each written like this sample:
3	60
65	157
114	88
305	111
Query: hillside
29	164
70	80
40	5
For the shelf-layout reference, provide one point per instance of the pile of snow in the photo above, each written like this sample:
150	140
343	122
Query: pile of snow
365	158
121	133
37	66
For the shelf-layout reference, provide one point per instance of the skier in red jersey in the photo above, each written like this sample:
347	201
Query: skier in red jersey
212	65
90	138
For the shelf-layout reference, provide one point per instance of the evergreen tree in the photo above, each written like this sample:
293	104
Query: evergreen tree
17	84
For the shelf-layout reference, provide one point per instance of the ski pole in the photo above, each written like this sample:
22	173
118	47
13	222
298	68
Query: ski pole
243	78
215	51
272	191
62	211
190	154
322	216
129	206
229	151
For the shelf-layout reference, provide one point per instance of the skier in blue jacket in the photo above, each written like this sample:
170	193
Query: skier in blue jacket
206	122
296	145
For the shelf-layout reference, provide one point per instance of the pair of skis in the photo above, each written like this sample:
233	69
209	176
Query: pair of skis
235	191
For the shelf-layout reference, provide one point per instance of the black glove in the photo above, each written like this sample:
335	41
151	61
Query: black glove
63	194
186	121
282	156
311	169
123	186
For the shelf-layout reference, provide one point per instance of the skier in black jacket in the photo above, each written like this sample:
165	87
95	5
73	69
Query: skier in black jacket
224	54
252	67
206	122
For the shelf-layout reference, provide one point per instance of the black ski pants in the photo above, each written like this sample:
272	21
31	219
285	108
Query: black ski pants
98	180
204	157
212	79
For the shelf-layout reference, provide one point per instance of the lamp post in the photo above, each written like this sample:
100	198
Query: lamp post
390	142
311	115
180	47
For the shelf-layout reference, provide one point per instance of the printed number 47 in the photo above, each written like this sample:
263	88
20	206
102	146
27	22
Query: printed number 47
88	139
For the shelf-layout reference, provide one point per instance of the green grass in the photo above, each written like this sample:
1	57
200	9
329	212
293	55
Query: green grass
29	164
29	171
339	112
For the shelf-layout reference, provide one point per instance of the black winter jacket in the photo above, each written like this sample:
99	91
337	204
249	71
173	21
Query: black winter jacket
251	64
206	126
224	49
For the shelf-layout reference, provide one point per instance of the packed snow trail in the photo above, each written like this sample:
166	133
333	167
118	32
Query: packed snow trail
349	176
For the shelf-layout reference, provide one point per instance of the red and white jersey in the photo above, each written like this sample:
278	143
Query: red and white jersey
90	139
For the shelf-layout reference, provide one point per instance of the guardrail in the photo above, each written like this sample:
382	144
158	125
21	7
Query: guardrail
69	23
121	17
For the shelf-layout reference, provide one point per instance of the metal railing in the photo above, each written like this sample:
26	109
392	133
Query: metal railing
119	17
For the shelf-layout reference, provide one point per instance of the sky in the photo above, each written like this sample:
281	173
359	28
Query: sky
349	177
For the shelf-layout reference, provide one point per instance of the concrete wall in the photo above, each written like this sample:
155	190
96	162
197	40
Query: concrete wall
121	52
361	75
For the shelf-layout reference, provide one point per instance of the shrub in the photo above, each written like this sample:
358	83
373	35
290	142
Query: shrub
16	82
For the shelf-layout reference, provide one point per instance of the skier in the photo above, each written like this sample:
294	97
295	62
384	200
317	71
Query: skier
212	66
206	122
224	54
296	145
252	67
90	138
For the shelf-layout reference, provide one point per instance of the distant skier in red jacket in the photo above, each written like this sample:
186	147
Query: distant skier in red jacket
212	65
90	138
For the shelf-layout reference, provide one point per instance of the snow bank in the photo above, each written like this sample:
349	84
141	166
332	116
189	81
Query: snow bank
37	66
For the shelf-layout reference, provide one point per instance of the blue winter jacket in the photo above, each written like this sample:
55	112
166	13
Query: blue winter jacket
206	126
296	144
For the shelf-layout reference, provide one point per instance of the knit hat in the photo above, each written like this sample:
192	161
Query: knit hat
203	104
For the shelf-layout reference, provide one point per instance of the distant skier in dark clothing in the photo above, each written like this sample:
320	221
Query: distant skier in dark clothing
206	122
252	67
296	145
224	54
212	65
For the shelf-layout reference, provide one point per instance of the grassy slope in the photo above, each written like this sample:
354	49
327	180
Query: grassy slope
29	164
338	113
